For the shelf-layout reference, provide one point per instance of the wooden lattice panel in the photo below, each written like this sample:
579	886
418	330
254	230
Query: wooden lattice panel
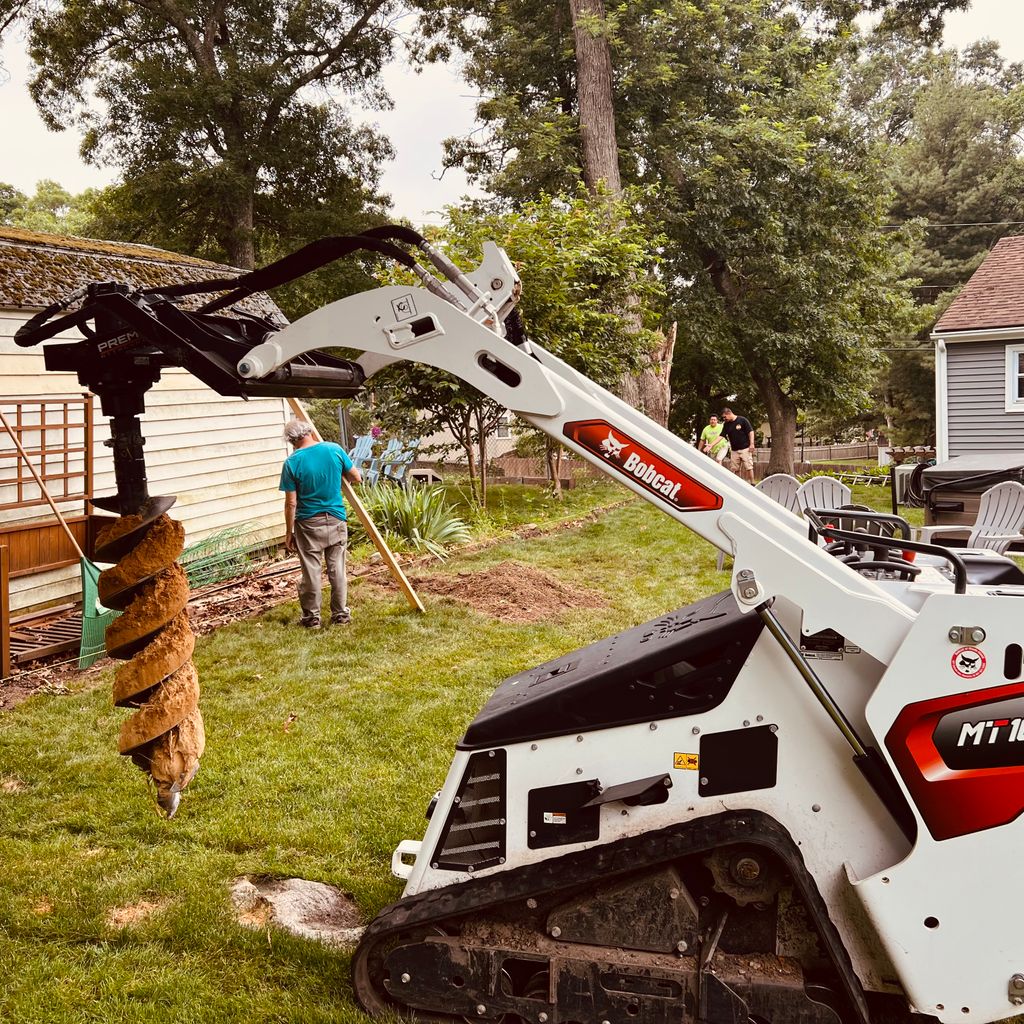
56	433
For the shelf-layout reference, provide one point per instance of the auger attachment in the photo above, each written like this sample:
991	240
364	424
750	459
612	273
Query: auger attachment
164	736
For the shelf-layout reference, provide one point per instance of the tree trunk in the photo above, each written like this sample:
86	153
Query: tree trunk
781	415
596	100
552	458
481	433
240	241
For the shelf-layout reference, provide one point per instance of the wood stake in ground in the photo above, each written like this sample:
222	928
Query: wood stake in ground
364	517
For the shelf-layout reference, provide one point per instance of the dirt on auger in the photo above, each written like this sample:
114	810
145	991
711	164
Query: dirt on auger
164	736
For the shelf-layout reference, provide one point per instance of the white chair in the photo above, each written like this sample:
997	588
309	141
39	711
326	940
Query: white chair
999	523
780	487
823	492
784	489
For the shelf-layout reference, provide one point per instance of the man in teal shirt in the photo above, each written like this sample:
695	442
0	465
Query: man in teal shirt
314	516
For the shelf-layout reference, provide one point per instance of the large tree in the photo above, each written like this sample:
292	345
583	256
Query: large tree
771	200
955	122
222	115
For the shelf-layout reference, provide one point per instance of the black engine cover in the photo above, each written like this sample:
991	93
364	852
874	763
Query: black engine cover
683	663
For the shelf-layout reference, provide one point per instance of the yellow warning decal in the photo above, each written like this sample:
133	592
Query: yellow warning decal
687	761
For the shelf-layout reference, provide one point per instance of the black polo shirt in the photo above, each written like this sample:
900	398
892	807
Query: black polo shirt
738	432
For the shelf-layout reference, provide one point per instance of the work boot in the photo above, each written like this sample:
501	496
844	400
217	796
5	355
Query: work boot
308	622
344	619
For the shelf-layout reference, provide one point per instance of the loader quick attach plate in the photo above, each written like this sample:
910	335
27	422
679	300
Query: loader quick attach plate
681	664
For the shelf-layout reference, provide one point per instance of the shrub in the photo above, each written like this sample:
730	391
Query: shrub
420	517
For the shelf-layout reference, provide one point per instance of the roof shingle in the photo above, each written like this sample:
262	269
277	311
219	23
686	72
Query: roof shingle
994	296
37	269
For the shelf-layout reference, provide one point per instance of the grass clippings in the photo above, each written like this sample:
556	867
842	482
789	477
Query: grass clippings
132	914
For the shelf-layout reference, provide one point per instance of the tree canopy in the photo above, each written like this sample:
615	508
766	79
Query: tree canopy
771	200
225	117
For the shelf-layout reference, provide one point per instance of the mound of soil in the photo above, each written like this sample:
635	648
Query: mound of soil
510	591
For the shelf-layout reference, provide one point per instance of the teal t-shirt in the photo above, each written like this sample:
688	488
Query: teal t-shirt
314	474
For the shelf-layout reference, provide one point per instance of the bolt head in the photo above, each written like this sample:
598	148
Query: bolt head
682	946
542	1017
555	932
746	869
531	903
977	634
405	979
954	634
481	1009
495	285
654	726
749	593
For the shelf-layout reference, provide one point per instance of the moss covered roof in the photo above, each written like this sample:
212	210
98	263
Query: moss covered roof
37	269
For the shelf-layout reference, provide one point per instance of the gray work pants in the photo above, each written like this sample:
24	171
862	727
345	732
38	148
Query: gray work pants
324	536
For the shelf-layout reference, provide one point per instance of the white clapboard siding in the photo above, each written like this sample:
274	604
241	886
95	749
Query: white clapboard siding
221	457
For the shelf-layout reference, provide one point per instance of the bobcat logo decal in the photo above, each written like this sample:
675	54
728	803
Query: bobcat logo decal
612	449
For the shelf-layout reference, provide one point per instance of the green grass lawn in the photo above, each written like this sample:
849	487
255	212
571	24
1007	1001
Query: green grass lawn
379	706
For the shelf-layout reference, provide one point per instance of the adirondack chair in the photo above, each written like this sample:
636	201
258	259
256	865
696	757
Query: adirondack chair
783	488
823	492
999	523
377	469
362	451
394	471
780	487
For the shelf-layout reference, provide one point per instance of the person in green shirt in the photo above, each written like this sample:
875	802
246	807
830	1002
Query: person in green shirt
712	442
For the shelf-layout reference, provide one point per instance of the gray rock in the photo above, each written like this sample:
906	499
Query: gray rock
311	910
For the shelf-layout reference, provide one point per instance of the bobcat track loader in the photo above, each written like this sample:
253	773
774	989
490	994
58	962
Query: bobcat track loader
794	802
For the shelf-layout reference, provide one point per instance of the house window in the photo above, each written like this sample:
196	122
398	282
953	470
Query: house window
1015	378
504	428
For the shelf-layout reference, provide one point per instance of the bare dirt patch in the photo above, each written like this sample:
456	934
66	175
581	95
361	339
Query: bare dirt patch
42	908
311	910
511	591
10	785
134	913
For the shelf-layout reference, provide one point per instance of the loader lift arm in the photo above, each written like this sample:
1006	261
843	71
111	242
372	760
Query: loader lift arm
466	324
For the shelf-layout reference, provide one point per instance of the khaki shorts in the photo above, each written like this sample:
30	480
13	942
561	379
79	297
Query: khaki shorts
743	459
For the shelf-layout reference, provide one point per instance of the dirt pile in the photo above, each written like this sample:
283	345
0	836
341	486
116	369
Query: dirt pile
511	591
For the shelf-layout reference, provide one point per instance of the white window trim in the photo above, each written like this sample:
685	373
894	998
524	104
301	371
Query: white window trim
1013	369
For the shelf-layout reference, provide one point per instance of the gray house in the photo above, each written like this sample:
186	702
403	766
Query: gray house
979	360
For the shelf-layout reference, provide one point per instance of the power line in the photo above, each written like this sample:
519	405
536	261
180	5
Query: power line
962	224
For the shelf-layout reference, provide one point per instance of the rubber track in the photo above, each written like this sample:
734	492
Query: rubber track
603	863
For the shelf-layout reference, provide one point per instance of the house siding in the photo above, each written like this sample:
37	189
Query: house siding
220	456
976	399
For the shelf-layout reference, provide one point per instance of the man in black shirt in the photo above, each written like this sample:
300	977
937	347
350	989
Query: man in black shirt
741	439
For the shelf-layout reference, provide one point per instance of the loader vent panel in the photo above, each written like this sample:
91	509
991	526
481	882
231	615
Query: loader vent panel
681	664
474	834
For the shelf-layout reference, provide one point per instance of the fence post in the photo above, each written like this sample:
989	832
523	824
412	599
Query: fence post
5	612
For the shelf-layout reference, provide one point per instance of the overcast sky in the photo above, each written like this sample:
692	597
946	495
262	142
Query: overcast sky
428	108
